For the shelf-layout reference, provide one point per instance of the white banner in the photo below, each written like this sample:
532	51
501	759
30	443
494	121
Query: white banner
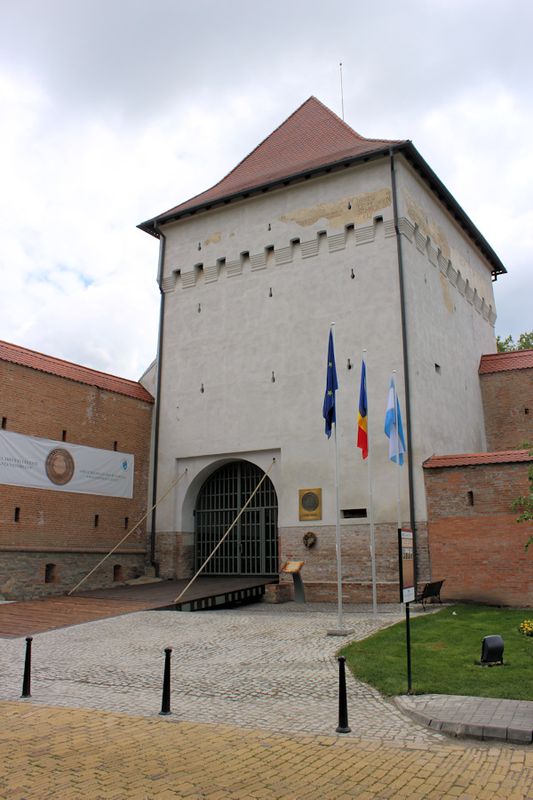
44	464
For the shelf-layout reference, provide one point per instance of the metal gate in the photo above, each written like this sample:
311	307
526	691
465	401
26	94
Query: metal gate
252	546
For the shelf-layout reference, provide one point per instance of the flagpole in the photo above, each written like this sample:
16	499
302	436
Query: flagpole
398	465
340	630
370	498
337	517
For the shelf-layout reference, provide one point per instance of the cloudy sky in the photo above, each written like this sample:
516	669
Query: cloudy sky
112	111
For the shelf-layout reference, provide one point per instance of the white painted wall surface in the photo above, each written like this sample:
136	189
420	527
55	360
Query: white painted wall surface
445	327
224	331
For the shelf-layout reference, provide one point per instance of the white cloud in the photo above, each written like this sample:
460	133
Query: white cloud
106	125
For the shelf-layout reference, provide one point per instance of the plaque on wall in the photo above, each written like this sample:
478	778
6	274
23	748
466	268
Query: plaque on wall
309	504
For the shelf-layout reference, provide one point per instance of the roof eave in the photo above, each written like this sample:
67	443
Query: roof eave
406	147
149	226
448	200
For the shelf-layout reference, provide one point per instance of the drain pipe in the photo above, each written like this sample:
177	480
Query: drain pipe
155	453
405	361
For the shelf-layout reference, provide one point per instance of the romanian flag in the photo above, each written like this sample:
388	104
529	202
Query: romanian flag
362	417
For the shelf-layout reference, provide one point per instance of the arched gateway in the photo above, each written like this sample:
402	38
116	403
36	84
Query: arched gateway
252	546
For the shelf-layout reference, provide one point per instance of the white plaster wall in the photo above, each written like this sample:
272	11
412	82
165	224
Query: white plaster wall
231	324
445	326
241	335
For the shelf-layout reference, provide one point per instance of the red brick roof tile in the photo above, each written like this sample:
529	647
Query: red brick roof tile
74	372
501	362
312	137
474	459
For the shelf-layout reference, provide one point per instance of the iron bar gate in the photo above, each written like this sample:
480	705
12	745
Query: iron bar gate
252	547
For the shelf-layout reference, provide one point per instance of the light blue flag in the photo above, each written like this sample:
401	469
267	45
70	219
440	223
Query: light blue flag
394	427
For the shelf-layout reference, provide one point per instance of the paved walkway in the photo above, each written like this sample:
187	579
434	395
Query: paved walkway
478	717
74	754
254	704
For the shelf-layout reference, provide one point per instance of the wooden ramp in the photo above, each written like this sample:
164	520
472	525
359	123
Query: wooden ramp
37	616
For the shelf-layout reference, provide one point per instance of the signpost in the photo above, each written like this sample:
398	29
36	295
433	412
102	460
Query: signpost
407	587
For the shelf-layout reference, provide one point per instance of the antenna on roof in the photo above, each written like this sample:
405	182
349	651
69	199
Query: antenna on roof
342	93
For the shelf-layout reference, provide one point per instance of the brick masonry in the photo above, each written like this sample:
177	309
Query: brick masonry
508	406
60	527
319	572
476	544
23	575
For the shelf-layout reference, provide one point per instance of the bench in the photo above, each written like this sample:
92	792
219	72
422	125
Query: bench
430	591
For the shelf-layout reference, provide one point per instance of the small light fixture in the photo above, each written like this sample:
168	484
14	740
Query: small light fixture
491	651
270	292
199	307
349	364
199	245
352	274
273	379
202	388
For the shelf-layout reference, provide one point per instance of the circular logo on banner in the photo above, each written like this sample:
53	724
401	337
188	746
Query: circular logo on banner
59	466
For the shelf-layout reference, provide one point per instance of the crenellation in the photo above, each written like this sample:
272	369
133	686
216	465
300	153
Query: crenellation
310	248
258	261
452	274
283	255
390	229
188	279
406	228
442	262
211	272
169	284
365	234
234	267
337	242
421	240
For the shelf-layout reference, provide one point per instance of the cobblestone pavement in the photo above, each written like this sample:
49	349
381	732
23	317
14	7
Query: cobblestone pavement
74	754
263	666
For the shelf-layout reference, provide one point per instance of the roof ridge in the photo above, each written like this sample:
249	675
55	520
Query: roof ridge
57	359
250	171
476	459
70	370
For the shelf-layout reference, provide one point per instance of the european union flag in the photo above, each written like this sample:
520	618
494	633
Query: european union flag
328	410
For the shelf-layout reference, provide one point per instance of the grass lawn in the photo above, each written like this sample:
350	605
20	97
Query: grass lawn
444	650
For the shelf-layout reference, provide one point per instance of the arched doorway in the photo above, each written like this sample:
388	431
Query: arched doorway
252	546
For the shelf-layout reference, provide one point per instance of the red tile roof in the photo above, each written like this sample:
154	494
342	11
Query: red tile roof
473	459
74	372
313	136
501	362
311	140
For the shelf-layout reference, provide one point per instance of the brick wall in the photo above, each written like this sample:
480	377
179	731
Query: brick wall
508	406
319	573
475	543
39	404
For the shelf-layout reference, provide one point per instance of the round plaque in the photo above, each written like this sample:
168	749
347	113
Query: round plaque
310	501
59	466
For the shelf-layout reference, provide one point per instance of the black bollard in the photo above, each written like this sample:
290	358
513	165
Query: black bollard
343	726
26	681
165	702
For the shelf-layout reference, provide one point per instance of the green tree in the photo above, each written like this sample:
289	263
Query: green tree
508	345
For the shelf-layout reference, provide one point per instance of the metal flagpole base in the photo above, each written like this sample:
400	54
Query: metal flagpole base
340	632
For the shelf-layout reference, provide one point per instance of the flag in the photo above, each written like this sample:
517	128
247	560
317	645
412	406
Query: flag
394	427
328	410
362	416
